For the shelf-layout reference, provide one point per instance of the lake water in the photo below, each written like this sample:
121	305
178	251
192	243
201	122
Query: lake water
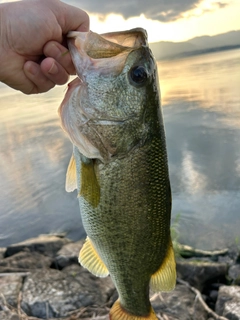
201	106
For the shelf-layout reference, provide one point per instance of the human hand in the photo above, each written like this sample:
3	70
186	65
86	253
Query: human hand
33	53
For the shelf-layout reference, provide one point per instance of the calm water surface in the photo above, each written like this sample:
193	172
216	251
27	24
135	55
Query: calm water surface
201	105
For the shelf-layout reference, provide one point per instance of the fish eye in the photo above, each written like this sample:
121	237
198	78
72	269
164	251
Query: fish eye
138	75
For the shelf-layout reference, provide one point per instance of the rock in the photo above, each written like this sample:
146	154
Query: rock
50	293
2	253
45	244
198	273
10	287
234	273
187	251
9	315
68	255
70	292
228	302
178	304
24	261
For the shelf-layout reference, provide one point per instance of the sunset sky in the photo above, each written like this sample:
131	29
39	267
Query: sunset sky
168	20
165	20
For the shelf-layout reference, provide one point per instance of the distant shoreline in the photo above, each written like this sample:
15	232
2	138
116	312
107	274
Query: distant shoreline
167	50
197	52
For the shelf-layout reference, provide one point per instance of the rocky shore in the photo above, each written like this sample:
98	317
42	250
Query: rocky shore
41	279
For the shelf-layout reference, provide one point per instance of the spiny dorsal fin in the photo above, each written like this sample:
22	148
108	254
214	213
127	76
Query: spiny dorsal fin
90	260
118	313
71	176
164	279
90	189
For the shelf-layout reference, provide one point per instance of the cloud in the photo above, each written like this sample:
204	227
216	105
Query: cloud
222	4
161	10
205	6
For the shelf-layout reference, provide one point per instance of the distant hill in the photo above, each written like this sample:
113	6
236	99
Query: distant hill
198	45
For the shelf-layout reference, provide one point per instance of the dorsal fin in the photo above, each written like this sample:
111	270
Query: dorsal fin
90	260
71	175
90	189
164	279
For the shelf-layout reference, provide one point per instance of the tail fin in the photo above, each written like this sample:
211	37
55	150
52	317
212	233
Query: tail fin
118	313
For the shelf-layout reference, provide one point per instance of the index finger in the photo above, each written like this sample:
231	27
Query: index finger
71	18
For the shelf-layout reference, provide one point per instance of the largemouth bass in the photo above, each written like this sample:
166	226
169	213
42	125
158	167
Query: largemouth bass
112	114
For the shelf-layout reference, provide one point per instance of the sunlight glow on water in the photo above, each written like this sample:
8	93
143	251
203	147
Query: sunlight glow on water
201	104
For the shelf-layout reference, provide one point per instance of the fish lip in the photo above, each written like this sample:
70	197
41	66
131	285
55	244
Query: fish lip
74	34
140	40
115	37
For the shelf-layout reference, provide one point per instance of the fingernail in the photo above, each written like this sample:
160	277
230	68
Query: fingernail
32	68
53	69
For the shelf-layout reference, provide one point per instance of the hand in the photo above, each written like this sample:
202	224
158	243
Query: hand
33	52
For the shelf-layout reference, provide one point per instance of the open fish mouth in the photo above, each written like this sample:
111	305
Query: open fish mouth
108	44
106	52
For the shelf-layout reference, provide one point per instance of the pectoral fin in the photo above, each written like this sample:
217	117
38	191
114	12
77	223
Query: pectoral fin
90	260
71	176
90	189
164	279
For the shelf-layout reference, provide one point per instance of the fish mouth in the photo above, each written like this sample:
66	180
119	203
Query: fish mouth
90	50
109	44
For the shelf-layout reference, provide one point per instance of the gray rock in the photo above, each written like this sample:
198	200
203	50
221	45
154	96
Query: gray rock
9	315
68	254
178	304
24	261
2	252
45	244
10	286
228	302
234	273
50	293
198	273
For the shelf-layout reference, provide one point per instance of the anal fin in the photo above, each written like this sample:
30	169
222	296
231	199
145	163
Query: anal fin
89	259
118	313
164	279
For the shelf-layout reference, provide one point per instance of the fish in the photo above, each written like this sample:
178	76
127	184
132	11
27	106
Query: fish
112	115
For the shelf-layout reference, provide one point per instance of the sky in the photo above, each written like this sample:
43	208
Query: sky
164	20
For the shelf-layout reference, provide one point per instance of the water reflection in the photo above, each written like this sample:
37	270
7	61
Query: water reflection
211	79
34	153
202	116
193	180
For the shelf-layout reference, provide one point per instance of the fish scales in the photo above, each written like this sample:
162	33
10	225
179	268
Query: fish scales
122	178
130	190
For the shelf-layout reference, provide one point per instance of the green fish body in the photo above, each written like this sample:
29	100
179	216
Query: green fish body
112	114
